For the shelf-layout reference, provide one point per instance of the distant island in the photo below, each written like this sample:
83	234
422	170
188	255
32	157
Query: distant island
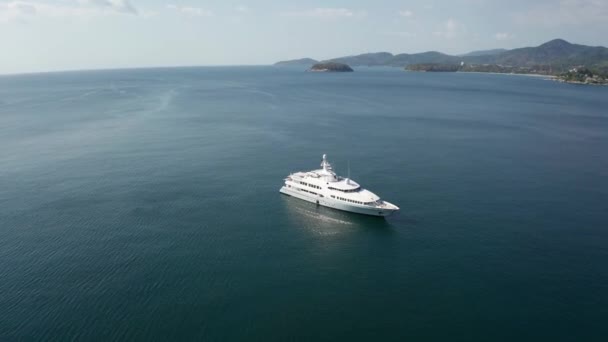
331	67
306	62
554	58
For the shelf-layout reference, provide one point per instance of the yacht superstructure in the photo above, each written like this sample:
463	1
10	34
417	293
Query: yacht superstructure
324	187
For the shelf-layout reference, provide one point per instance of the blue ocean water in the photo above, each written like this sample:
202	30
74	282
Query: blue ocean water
144	205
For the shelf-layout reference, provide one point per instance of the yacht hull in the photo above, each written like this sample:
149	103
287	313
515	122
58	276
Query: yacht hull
334	204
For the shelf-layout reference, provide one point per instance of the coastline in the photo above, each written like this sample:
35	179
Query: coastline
554	78
557	79
507	73
490	73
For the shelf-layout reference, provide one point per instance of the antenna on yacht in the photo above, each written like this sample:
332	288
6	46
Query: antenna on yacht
348	174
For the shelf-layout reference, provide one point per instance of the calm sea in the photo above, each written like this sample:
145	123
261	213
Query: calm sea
144	205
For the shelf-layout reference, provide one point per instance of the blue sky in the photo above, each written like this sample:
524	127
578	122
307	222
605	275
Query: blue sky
47	35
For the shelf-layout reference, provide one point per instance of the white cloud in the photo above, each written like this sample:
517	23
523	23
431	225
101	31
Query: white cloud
450	29
242	8
565	12
22	10
191	11
326	12
503	36
406	13
21	7
122	6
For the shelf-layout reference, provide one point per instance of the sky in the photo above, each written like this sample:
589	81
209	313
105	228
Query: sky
51	35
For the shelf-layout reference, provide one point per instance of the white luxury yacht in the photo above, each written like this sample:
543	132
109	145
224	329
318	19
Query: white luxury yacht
324	187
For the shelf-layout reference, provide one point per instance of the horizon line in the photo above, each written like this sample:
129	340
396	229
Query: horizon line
270	64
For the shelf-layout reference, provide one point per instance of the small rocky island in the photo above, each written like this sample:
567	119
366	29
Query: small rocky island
331	67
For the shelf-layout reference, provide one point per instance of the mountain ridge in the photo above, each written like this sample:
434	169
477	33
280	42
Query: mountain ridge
557	54
483	52
300	61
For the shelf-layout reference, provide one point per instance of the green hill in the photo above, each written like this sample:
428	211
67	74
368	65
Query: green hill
366	59
307	62
484	52
432	57
557	53
554	57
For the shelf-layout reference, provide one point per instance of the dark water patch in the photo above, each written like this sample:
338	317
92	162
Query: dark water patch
144	205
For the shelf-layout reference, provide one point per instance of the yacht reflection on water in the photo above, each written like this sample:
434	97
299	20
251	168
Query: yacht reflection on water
326	221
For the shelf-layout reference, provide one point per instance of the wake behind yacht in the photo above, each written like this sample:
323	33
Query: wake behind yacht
324	187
